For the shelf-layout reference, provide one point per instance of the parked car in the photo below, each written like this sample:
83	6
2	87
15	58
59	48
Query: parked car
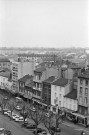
14	116
7	113
31	126
2	130
43	133
54	129
38	130
18	108
24	124
20	119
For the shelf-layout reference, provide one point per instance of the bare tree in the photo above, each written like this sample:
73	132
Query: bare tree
52	123
11	107
3	102
36	115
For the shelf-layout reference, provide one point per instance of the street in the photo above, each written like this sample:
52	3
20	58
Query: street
66	128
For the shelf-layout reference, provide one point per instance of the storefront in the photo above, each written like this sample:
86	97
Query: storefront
81	119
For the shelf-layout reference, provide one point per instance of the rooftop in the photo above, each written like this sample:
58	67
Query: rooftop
41	69
25	78
84	74
4	60
61	82
5	74
50	79
72	94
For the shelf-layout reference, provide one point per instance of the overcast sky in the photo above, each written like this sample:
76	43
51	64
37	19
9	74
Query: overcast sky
44	23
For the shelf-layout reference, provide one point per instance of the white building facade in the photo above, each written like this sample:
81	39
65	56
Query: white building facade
59	89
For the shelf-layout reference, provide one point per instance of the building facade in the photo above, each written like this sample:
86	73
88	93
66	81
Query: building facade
20	69
46	90
59	89
5	63
25	86
41	74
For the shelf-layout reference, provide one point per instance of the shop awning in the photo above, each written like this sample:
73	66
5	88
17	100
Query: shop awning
79	115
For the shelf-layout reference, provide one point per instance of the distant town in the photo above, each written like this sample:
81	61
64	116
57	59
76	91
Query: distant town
54	79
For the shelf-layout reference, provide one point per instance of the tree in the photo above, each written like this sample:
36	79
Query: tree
36	115
11	106
24	112
3	102
48	121
52	123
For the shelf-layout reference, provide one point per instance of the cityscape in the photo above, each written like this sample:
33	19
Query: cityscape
44	91
44	67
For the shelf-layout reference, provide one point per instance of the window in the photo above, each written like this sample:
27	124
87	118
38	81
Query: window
85	100
39	77
81	81
86	82
81	90
86	91
80	99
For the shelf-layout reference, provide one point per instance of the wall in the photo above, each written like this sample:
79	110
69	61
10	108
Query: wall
70	104
25	68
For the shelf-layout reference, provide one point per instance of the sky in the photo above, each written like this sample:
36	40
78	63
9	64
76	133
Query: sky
44	23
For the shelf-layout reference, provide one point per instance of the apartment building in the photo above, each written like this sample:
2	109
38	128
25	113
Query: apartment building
83	96
5	63
59	89
5	80
70	103
46	90
25	87
20	69
41	74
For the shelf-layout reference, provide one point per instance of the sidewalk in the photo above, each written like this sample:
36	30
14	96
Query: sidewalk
77	126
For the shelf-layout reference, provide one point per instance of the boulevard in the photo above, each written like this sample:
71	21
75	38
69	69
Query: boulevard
15	127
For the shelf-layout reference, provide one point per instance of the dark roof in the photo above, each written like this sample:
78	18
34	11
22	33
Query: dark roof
84	74
50	79
61	82
72	94
41	69
25	78
5	74
4	60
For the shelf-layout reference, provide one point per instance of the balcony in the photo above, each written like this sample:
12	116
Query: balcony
36	96
83	104
37	80
35	88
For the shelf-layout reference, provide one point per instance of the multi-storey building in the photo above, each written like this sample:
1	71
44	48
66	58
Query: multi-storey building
5	63
41	74
83	97
46	90
5	80
38	58
20	69
59	89
25	86
70	103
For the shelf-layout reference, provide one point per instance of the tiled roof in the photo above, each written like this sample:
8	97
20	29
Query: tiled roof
4	60
5	74
50	79
41	69
72	94
61	82
84	75
25	78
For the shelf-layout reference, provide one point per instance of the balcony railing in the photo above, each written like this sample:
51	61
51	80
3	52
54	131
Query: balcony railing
35	88
36	96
